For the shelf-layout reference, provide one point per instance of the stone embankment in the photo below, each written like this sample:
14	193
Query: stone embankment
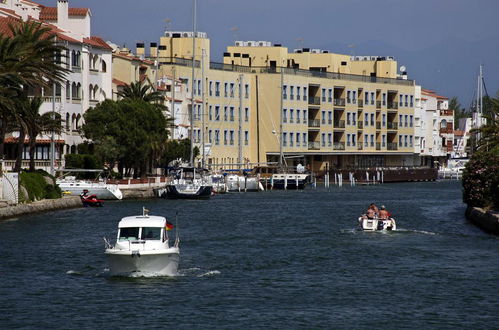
40	206
487	220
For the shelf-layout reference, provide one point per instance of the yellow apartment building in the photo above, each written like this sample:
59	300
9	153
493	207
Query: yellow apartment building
315	107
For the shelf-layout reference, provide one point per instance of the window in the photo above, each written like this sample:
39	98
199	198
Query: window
231	89
366	140
400	140
246	138
217	137
366	119
210	114
231	135
291	139
298	139
405	140
372	119
291	116
305	116
400	99
217	88
348	119
412	101
129	234
410	141
209	136
297	116
372	140
348	140
150	233
199	87
210	87
354	97
354	120
305	138
366	97
285	92
406	121
226	114
305	93
330	95
217	112
323	139
353	140
383	120
225	137
246	91
329	139
226	89
323	95
406	101
372	98
291	92
383	140
323	117
284	115
411	121
284	139
348	96
231	113
400	120
298	93
329	117
384	98
246	114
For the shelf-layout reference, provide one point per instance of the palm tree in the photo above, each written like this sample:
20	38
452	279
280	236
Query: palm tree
36	124
28	59
142	91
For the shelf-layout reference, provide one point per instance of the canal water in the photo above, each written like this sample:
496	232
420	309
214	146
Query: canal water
281	259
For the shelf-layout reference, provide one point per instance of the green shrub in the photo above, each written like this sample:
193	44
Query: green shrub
481	180
37	186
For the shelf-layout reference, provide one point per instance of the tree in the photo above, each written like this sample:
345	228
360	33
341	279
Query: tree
459	112
29	58
141	90
37	123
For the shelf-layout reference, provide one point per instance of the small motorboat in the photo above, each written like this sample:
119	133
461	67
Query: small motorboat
376	224
90	200
143	247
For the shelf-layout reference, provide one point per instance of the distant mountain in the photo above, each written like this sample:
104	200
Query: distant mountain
450	67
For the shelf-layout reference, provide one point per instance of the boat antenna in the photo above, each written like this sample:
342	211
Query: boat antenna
191	136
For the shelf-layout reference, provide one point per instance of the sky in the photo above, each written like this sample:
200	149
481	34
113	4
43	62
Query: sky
441	42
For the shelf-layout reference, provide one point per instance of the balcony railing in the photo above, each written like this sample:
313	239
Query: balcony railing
393	105
314	123
392	125
392	146
312	145
378	104
446	131
339	102
446	113
339	145
359	146
339	124
378	125
314	100
378	146
361	103
360	124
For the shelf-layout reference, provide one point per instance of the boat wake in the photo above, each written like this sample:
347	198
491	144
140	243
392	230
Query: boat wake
398	231
210	273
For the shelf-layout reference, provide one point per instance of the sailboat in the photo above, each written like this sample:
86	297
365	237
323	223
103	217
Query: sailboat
189	182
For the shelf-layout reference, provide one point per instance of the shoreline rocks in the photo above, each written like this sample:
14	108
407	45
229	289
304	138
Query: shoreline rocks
65	202
486	220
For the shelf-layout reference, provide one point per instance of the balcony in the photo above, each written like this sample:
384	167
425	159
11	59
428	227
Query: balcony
361	103
339	146
378	146
339	102
378	104
360	125
312	145
392	146
314	123
393	105
359	146
392	125
446	130
446	113
312	100
378	125
339	124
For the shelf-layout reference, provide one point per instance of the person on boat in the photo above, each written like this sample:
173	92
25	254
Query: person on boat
370	213
383	213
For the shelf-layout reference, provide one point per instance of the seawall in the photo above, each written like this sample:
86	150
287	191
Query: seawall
65	202
487	220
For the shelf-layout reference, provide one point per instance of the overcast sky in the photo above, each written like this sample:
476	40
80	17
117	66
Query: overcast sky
441	42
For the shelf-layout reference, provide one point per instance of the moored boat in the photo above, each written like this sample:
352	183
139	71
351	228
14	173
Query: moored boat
188	183
143	247
101	189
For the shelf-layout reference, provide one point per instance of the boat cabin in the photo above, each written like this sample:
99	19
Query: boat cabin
141	232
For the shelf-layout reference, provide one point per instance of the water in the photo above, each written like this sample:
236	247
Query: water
261	260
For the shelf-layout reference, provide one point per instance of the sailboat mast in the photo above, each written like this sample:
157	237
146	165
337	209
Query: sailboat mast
203	161
239	138
280	122
191	159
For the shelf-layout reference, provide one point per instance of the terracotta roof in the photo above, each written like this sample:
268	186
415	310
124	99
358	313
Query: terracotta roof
50	13
119	82
32	2
169	99
10	12
96	42
12	139
133	58
442	97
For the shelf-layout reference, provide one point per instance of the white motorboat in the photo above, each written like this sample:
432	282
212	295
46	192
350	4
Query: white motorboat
143	247
101	189
239	183
188	183
375	224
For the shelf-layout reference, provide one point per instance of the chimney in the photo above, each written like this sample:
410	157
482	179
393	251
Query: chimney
154	50
140	49
63	14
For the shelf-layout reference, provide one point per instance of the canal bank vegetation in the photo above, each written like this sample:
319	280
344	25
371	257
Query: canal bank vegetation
481	175
37	185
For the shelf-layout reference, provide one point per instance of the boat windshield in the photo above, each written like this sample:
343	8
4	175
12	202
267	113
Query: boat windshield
151	233
129	234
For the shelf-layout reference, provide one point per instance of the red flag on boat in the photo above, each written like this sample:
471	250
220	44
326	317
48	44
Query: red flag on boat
169	225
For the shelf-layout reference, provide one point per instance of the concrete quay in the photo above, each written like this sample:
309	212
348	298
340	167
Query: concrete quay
65	202
486	220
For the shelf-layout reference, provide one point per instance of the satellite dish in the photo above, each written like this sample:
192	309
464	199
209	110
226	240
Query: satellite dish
403	68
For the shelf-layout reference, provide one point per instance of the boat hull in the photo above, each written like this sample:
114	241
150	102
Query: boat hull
101	191
174	192
238	184
143	263
377	224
